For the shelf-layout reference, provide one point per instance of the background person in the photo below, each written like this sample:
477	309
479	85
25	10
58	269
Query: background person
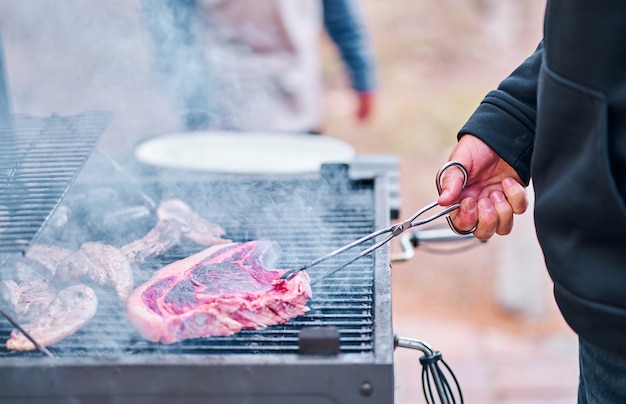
255	65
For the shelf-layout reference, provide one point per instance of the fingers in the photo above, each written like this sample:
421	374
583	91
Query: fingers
466	217
487	216
504	213
516	195
480	215
492	214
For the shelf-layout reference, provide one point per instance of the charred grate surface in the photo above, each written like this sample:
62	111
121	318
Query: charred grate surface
39	160
307	219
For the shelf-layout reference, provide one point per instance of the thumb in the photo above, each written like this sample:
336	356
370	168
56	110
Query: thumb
451	182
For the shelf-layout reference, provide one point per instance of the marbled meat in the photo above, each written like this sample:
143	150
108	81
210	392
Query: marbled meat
216	292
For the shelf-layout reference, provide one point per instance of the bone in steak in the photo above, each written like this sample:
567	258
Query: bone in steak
218	291
176	221
66	314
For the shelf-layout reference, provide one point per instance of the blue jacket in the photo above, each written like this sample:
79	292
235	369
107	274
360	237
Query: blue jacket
343	23
170	23
560	119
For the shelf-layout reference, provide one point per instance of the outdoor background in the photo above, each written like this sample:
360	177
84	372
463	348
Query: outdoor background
488	310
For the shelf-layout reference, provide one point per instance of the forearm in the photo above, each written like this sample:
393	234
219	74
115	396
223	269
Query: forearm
343	23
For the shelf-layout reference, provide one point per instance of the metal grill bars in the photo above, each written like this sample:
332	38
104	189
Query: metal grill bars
39	159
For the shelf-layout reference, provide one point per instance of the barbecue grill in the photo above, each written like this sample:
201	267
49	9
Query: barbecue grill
341	351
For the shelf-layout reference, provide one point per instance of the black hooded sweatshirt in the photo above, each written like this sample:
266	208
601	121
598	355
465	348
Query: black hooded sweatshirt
560	119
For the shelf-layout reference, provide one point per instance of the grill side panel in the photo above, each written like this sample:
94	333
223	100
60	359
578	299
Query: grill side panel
316	382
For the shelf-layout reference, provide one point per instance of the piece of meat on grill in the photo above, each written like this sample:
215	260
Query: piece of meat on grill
39	306
31	294
176	222
218	291
68	312
48	255
101	264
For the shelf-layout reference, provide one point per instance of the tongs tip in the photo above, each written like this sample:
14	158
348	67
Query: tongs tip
290	273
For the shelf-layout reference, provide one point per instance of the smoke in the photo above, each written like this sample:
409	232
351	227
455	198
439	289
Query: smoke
69	56
162	66
206	63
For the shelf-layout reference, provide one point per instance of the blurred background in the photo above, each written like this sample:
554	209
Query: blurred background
489	310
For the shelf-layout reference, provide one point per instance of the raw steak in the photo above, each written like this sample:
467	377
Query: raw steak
218	291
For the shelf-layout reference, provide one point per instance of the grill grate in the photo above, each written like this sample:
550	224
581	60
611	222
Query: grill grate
308	217
39	160
304	231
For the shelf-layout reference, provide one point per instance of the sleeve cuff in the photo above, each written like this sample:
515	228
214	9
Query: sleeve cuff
510	138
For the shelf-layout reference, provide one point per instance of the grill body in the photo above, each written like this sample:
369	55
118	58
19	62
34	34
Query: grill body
200	380
308	215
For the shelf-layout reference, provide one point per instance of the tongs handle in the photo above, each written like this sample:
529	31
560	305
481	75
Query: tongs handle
439	189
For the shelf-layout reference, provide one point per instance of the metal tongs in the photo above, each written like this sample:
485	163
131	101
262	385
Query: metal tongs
394	230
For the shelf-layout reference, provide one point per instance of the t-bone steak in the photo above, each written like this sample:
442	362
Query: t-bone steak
218	291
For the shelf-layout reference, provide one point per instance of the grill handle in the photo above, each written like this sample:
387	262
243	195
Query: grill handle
443	235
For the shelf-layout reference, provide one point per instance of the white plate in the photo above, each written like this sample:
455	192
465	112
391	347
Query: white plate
244	152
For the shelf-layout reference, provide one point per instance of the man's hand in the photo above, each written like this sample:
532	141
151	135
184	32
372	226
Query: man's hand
493	193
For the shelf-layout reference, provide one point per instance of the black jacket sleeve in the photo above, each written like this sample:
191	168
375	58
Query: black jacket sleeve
505	119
